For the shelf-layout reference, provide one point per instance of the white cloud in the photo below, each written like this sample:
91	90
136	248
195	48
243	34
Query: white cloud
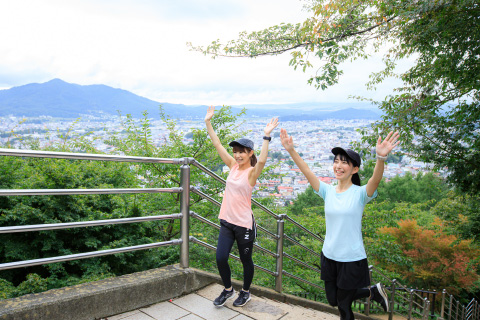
140	46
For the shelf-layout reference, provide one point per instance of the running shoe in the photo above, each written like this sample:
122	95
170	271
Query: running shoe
380	295
242	299
224	296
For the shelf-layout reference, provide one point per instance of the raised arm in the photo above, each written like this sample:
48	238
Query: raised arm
262	159
382	149
287	143
226	157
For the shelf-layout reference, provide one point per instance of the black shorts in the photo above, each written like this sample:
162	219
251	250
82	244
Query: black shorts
347	275
241	234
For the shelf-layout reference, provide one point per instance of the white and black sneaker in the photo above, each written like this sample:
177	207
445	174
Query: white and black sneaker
224	296
380	295
242	299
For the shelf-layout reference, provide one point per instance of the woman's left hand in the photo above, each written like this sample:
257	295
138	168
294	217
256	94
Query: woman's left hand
390	142
270	126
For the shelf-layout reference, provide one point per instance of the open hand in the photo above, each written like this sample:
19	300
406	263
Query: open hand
287	142
210	112
390	142
270	126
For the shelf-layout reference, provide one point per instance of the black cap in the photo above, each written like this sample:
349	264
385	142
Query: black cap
242	142
350	153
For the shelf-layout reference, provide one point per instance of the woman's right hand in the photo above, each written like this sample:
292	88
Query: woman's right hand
210	112
287	142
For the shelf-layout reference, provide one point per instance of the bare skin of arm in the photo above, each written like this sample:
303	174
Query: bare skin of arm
262	159
382	149
224	155
287	143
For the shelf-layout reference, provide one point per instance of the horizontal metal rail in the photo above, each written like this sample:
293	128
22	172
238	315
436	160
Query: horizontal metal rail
208	171
209	246
302	246
70	257
213	224
288	274
204	220
273	254
205	196
273	235
265	209
301	262
57	192
68	225
400	286
85	156
303	228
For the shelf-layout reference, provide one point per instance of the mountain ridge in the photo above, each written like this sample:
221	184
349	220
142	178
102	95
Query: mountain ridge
62	99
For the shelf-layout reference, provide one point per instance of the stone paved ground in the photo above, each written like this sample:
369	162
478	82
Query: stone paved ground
199	305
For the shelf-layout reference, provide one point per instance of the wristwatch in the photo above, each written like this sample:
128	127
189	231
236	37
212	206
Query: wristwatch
267	138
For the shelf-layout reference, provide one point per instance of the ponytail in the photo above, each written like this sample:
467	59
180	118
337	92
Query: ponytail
356	179
253	160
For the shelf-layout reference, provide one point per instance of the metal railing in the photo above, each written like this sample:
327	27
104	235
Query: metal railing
407	302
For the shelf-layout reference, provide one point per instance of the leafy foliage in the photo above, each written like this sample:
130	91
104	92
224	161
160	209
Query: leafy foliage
436	109
30	173
305	200
438	260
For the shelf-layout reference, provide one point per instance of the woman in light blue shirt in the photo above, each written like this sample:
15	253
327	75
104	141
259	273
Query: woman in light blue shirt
344	266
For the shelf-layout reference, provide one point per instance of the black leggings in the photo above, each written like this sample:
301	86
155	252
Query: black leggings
224	247
344	298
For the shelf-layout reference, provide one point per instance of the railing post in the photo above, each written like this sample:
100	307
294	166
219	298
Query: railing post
426	307
410	304
367	307
456	312
185	211
450	305
279	269
442	310
475	311
392	300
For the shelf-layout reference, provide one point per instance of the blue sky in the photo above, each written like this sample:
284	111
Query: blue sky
140	46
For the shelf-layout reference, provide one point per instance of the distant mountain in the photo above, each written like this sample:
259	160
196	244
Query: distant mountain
61	99
58	98
345	114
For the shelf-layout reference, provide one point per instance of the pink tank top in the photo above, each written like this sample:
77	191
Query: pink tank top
237	201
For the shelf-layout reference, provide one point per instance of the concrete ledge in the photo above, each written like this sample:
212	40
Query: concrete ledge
107	297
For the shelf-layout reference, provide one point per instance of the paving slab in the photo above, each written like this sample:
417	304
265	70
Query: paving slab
241	317
266	309
304	313
203	307
256	308
122	316
165	311
131	316
191	317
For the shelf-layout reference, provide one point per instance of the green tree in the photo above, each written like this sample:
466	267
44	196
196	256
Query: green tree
28	210
436	110
438	260
136	139
461	213
306	200
413	189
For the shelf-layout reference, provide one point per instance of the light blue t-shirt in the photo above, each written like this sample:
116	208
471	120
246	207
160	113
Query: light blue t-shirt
343	218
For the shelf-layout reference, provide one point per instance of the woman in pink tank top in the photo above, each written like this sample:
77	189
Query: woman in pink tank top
236	216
